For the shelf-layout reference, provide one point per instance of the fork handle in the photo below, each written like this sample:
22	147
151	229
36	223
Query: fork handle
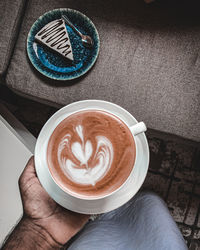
65	18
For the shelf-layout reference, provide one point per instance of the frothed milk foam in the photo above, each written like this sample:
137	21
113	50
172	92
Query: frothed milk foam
91	153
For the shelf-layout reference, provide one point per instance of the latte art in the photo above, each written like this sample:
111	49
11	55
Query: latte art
91	153
91	167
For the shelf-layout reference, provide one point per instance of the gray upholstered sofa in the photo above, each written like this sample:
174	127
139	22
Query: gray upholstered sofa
149	60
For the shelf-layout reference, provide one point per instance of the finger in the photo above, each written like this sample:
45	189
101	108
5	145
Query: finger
29	170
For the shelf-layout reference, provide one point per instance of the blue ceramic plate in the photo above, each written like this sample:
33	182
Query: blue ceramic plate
54	65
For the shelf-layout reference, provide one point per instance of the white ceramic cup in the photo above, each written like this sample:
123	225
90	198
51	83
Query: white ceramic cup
69	199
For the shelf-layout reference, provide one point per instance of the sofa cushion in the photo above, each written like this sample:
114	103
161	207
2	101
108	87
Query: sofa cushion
11	13
149	62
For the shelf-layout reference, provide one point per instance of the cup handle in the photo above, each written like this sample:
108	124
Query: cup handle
138	128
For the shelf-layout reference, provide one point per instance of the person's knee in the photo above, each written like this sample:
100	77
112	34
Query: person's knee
141	202
147	200
148	196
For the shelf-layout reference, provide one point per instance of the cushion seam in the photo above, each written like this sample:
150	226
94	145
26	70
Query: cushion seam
10	47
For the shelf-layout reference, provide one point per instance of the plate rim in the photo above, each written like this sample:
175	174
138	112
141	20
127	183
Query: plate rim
68	78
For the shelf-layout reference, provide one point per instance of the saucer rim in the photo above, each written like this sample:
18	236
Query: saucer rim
81	205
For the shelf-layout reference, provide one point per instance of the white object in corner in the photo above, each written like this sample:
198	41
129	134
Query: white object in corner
16	147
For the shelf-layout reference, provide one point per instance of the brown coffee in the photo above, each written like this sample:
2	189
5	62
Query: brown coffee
91	153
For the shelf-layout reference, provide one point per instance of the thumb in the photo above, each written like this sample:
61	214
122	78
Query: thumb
28	172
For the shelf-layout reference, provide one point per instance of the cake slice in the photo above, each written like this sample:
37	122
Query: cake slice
55	36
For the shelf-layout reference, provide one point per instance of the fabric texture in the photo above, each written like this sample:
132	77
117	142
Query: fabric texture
10	14
149	62
144	223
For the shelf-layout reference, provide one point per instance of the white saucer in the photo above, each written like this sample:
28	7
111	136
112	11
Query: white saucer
97	206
